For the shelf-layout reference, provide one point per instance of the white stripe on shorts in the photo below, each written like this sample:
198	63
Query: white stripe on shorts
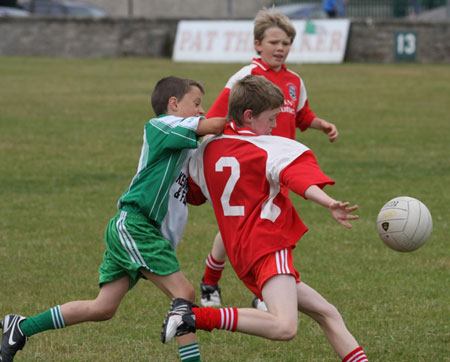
128	242
281	258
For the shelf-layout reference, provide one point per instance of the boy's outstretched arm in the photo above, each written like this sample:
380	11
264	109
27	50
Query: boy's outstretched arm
327	127
211	126
341	211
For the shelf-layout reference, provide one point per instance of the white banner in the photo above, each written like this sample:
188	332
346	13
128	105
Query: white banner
317	41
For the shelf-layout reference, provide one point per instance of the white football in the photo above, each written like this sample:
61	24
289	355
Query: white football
404	223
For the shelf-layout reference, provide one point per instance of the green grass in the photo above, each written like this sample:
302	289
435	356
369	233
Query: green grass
70	137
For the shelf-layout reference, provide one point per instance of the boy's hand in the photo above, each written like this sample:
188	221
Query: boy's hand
326	127
342	212
330	129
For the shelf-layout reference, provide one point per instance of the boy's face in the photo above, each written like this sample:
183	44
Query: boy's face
263	123
274	48
189	106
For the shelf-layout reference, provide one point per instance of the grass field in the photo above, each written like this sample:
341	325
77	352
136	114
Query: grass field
70	137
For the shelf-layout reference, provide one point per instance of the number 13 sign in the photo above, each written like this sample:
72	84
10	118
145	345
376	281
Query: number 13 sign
405	45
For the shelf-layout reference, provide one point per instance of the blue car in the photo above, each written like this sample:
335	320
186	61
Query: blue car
302	11
63	8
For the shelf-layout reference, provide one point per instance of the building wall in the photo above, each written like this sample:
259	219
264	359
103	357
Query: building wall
374	41
369	41
117	37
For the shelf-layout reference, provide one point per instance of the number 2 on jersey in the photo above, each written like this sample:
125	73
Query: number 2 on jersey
235	174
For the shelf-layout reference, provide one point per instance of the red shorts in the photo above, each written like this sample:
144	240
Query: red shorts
276	263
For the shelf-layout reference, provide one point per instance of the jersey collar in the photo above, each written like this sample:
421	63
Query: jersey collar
232	129
259	62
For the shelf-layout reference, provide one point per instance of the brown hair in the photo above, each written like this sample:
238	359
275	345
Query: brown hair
171	87
266	19
253	92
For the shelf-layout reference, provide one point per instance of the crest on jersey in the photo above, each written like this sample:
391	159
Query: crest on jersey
292	91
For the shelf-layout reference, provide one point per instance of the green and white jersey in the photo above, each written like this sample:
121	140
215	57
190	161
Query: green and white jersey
168	141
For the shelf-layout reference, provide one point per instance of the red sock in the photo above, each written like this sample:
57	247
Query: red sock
208	318
213	270
357	355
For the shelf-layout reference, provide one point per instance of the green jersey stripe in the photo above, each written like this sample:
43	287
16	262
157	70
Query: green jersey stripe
164	150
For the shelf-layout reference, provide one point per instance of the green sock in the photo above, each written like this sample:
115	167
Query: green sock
189	352
50	319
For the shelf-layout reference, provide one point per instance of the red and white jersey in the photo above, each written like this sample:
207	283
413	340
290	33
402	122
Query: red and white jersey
241	173
295	111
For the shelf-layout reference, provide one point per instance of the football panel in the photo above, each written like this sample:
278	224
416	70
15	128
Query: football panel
391	221
397	241
397	203
424	226
412	224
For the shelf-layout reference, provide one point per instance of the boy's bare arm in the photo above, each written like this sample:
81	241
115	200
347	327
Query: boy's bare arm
340	211
211	126
327	127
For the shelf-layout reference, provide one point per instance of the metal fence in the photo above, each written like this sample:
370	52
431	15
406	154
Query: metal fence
379	8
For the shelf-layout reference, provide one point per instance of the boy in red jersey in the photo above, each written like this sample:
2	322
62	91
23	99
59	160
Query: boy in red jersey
273	37
241	173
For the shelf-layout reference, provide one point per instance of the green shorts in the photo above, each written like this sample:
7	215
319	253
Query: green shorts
133	243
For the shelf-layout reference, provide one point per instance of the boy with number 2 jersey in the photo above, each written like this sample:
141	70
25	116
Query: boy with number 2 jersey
273	37
241	173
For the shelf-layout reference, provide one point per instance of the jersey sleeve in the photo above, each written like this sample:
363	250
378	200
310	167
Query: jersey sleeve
177	133
304	172
304	117
220	105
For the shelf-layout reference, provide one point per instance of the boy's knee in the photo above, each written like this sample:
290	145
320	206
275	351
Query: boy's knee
108	314
329	314
287	330
332	312
103	313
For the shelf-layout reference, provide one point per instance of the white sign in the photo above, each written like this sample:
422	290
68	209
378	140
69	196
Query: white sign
317	41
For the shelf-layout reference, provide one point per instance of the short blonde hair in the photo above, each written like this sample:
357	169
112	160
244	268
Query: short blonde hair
253	92
266	19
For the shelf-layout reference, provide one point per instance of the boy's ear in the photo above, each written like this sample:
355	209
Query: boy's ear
247	116
257	44
172	104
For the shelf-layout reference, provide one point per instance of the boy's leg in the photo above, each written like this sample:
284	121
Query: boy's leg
101	308
176	285
311	303
280	323
215	263
281	320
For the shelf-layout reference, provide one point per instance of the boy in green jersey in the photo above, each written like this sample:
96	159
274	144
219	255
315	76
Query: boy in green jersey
152	212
